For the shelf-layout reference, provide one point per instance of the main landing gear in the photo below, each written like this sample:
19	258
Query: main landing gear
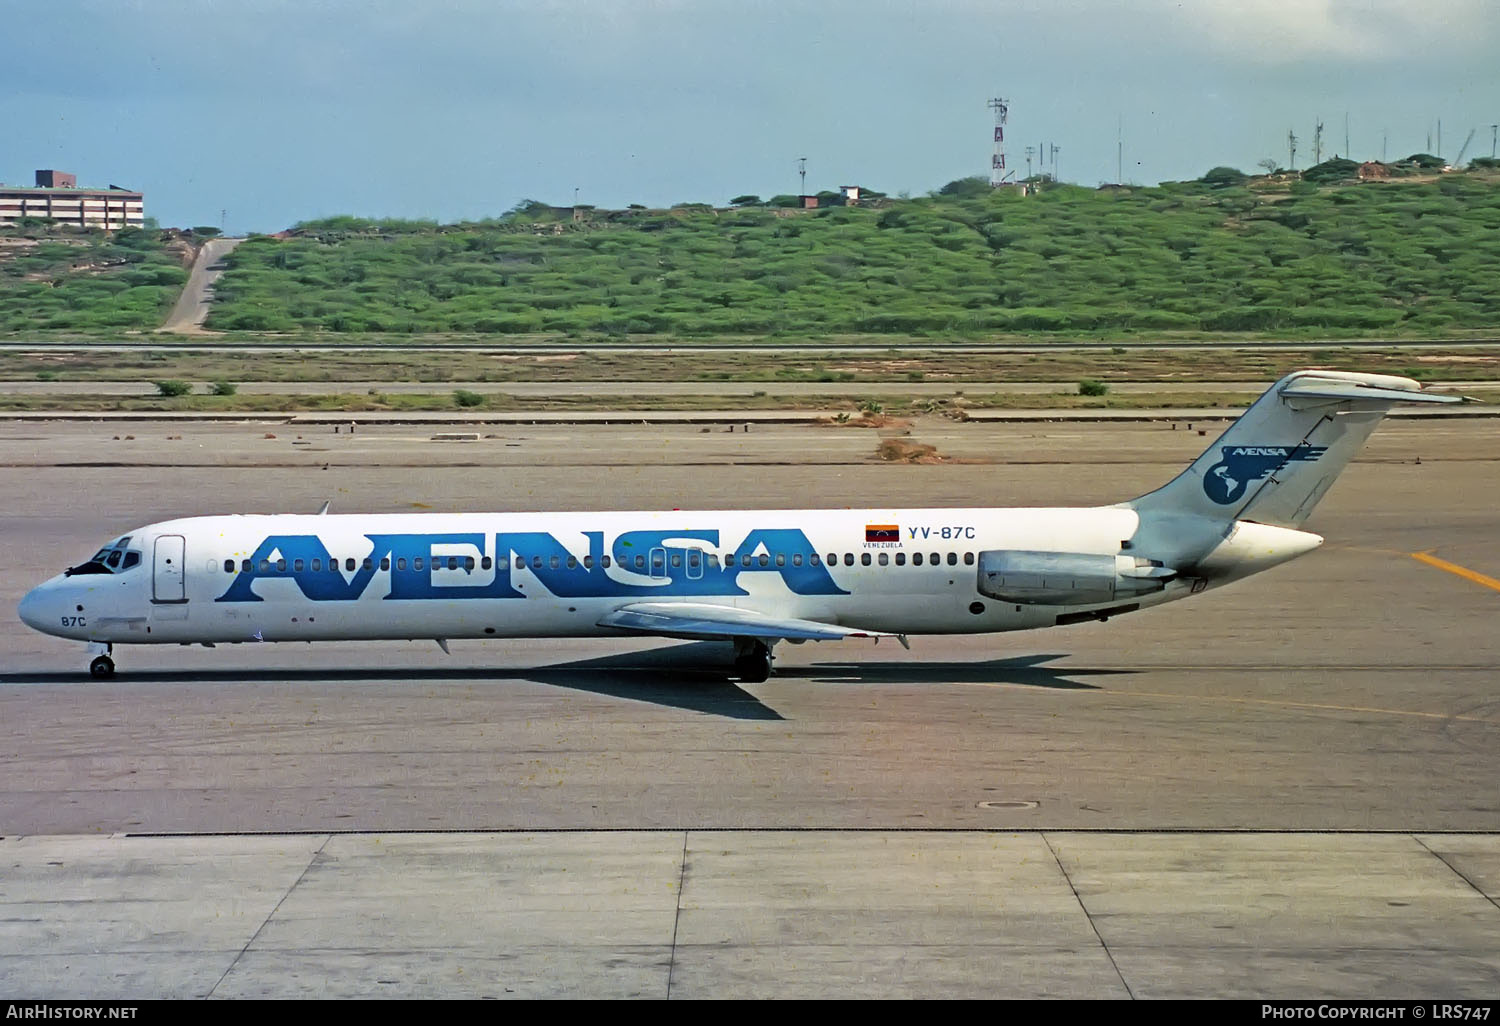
752	660
102	667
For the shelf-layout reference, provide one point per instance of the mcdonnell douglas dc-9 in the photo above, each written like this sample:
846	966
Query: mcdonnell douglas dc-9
751	578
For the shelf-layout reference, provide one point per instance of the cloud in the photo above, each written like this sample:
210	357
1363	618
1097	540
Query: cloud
1291	31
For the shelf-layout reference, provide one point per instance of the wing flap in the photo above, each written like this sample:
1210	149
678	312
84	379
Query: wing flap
686	619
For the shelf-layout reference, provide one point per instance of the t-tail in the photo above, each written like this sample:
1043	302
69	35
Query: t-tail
1240	506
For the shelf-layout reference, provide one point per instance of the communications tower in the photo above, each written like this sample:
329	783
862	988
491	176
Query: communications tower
998	173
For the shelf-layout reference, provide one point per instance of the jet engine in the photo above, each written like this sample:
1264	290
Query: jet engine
1067	578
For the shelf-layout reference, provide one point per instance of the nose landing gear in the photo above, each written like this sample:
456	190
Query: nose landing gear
102	667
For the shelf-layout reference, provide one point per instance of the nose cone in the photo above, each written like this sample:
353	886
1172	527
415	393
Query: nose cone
30	609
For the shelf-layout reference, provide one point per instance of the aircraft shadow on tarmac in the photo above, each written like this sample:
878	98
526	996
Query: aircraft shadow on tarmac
694	676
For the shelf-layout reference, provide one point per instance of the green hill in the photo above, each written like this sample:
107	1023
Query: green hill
1379	258
87	281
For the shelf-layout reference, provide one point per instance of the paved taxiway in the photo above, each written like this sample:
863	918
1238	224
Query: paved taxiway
675	829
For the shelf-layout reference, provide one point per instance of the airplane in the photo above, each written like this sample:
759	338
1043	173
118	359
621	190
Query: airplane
754	578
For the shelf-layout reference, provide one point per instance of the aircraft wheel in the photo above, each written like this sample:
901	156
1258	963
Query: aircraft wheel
754	667
102	668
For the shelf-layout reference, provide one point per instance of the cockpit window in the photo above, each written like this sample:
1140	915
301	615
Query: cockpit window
110	559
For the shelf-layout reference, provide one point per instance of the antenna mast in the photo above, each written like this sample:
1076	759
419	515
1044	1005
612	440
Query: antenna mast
802	170
998	174
1318	142
1291	145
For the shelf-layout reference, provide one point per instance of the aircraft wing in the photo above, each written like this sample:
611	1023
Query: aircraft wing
686	619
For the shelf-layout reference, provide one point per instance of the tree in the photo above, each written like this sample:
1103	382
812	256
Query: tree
1335	169
205	231
1268	165
966	188
750	200
529	208
1425	160
1222	176
784	200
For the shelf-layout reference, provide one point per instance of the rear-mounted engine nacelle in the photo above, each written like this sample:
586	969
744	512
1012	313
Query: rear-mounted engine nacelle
1068	578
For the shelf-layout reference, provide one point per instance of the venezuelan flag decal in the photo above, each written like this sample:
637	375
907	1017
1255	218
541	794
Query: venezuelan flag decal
882	533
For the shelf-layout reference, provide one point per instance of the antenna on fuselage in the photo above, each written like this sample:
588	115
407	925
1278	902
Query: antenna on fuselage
323	509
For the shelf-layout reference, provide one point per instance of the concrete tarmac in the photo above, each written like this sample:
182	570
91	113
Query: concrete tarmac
1284	788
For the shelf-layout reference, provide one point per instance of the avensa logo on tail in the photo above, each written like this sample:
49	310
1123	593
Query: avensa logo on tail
1226	480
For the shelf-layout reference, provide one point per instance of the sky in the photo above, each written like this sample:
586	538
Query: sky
257	114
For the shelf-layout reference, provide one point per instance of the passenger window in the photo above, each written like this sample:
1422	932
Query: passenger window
796	559
848	559
536	562
815	560
229	566
468	562
916	559
953	559
317	564
503	563
281	566
572	563
745	560
781	559
968	559
265	566
368	564
640	561
885	558
349	564
677	559
588	562
833	559
936	558
416	562
553	562
484	564
864	559
764	560
385	562
244	565
900	559
297	566
400	562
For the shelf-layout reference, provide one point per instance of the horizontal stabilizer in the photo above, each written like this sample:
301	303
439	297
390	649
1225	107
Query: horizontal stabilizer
674	619
1316	388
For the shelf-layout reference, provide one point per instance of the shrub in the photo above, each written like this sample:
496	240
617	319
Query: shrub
173	388
466	398
224	388
1088	386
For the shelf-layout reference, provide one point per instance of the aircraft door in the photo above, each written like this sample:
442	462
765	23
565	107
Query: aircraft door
168	583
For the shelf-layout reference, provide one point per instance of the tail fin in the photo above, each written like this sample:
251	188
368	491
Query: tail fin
1275	462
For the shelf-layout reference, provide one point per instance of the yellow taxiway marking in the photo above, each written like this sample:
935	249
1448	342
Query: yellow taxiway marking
1454	568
